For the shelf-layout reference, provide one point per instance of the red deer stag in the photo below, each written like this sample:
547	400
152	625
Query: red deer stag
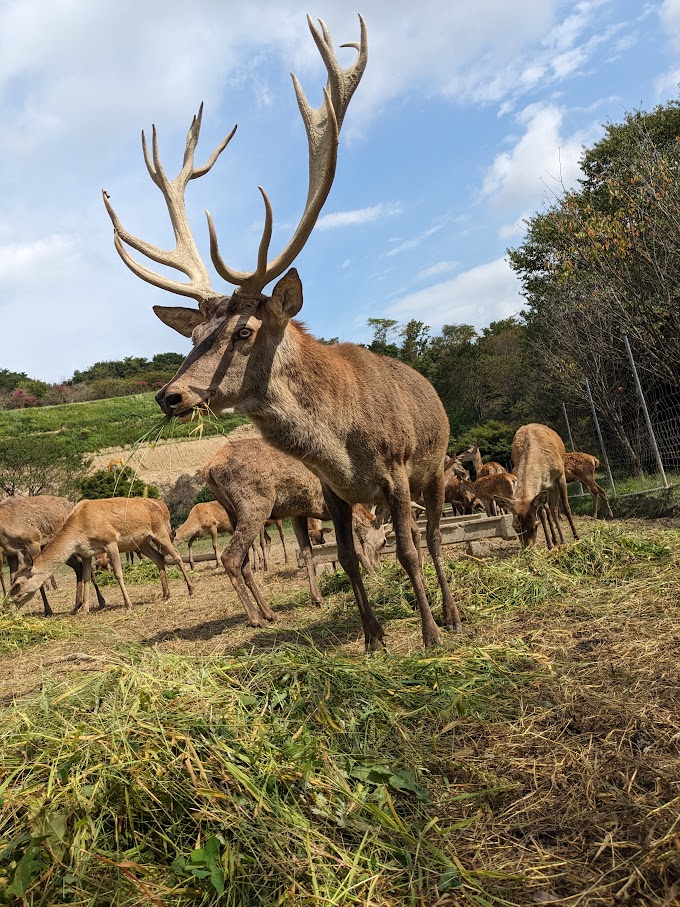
371	428
27	525
538	458
111	525
580	467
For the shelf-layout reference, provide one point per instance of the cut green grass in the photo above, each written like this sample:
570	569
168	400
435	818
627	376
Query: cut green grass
287	778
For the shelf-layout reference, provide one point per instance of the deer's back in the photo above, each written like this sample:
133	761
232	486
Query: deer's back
32	520
124	520
250	473
538	457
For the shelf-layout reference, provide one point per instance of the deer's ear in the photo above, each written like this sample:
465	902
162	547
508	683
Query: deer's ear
180	319
508	503
541	498
286	300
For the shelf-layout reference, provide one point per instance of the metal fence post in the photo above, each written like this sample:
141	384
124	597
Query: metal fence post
571	440
566	419
599	435
655	446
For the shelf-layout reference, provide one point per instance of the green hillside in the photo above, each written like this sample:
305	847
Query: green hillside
90	426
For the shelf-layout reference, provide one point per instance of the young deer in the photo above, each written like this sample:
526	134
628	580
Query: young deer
580	467
255	482
205	519
473	455
538	458
492	490
26	526
112	525
371	428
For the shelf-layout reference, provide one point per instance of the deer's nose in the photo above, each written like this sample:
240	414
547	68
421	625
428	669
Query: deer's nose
168	402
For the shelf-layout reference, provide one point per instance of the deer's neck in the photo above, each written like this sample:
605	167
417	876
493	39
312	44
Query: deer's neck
56	553
303	401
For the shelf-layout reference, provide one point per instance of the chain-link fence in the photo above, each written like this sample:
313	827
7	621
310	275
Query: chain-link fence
633	429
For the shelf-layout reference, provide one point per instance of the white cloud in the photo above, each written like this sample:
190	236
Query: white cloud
442	267
667	83
541	162
477	296
359	216
416	241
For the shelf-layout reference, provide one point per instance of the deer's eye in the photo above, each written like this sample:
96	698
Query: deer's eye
244	333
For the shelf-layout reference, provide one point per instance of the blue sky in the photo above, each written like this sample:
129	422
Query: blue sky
469	118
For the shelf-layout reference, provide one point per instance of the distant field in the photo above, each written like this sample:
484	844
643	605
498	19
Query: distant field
114	422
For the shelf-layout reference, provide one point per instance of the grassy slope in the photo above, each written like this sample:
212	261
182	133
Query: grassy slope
98	424
531	760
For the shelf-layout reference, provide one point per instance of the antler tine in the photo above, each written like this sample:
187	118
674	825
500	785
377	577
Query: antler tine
185	256
322	126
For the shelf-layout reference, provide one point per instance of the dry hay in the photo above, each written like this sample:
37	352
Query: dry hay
534	760
162	462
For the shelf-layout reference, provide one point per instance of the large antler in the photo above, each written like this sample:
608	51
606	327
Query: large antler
185	256
323	126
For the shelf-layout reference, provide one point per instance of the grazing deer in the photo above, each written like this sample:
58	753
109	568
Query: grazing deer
473	455
27	525
205	519
492	490
580	467
371	428
538	458
110	525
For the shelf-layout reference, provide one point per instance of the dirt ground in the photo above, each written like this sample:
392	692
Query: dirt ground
211	622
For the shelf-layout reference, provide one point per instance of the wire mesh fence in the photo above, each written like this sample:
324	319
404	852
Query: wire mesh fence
632	428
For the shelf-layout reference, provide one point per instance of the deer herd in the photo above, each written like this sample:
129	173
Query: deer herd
346	434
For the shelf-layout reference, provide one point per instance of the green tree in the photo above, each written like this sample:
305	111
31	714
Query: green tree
47	465
119	483
384	330
604	262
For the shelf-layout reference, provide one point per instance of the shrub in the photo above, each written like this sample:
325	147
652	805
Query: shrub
119	483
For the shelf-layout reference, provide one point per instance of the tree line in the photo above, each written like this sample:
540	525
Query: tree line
599	262
115	378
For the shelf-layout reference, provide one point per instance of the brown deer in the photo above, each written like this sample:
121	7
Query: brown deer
27	525
251	479
538	458
110	525
492	490
209	518
255	482
580	467
371	428
473	455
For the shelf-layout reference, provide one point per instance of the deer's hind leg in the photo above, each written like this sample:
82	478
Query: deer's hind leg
399	499
300	526
236	562
341	514
433	495
159	560
165	545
